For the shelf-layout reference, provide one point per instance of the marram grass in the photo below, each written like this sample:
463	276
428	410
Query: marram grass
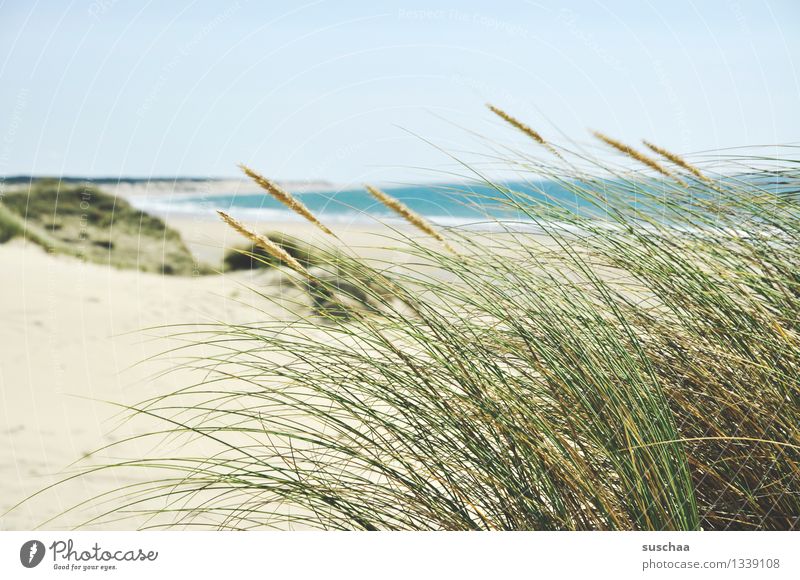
638	156
637	371
263	242
409	215
284	197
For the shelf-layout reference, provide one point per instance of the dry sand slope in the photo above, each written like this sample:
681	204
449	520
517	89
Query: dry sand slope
71	335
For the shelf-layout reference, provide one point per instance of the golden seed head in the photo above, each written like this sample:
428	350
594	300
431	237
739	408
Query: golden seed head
284	197
677	160
530	132
518	124
638	156
406	213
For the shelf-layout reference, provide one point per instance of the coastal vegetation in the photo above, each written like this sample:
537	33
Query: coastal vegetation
634	367
254	256
83	221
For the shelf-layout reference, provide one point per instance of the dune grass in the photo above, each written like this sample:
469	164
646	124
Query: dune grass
253	256
83	221
635	372
9	225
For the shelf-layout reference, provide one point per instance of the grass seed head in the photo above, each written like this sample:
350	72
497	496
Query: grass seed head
677	160
284	197
530	132
408	214
265	243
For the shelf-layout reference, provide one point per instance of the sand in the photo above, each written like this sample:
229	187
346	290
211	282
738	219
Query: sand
72	335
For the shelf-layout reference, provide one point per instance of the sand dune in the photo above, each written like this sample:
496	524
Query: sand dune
72	336
75	335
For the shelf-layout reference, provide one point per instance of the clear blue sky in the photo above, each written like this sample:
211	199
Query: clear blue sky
344	90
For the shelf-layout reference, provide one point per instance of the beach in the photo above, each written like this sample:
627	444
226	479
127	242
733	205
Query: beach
76	339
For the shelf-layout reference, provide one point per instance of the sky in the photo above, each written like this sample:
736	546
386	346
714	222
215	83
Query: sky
379	91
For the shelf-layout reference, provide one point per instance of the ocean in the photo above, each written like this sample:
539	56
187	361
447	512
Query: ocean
443	204
476	206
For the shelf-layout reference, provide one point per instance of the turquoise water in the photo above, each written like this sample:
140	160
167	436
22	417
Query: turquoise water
454	204
443	204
